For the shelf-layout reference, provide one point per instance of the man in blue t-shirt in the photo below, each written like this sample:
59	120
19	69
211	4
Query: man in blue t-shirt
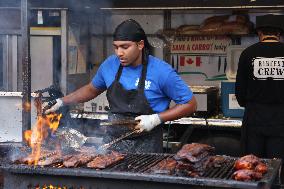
139	86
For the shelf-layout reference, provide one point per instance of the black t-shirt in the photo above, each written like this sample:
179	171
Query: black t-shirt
260	75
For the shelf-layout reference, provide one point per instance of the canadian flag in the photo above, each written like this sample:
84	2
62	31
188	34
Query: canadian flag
183	60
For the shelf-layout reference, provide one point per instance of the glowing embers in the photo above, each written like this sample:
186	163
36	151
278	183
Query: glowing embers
49	186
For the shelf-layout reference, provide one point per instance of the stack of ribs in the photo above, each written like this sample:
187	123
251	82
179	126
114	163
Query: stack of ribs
192	160
30	159
249	168
84	156
81	157
103	161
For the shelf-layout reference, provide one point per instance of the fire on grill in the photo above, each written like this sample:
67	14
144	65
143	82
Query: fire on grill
45	126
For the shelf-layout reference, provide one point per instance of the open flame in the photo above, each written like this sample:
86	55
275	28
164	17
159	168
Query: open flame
35	137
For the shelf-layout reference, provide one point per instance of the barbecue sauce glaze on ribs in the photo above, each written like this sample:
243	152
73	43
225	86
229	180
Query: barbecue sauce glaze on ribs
103	161
194	152
166	166
192	161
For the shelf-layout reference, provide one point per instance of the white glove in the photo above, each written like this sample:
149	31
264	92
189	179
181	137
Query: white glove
52	108
148	122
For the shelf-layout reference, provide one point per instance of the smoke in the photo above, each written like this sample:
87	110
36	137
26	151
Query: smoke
15	151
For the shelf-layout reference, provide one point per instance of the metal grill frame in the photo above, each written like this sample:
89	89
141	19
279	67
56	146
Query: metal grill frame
22	176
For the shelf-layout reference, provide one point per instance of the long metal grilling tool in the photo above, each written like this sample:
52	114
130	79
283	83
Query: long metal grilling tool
107	145
120	123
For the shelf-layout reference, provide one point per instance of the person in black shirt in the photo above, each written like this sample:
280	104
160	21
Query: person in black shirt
260	89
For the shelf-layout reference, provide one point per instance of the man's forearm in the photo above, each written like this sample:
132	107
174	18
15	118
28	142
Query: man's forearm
179	111
83	94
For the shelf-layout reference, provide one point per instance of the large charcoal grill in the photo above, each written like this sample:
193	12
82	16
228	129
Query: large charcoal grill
132	172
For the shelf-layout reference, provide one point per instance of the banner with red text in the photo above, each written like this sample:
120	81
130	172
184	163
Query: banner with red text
200	45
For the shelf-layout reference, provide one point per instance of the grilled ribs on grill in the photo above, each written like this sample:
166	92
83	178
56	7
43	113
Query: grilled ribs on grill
103	161
58	158
249	167
246	175
78	159
171	166
192	160
194	152
216	161
185	168
166	166
30	159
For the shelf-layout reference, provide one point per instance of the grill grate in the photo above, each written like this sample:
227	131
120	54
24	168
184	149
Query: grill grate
137	167
223	172
141	163
138	162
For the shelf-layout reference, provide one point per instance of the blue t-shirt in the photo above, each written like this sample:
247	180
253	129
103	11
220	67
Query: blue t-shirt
162	83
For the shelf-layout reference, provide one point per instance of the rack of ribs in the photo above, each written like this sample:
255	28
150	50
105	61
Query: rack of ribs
30	159
103	161
192	160
194	152
166	166
57	158
78	159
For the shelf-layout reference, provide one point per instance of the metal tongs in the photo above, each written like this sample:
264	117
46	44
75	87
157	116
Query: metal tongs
54	93
126	122
71	138
107	145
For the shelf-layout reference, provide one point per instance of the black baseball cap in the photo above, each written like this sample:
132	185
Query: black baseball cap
270	21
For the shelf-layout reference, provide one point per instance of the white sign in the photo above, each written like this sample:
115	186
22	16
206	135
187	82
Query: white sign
201	44
207	68
264	68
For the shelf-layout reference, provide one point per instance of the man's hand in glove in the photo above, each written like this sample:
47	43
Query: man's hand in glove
52	106
148	122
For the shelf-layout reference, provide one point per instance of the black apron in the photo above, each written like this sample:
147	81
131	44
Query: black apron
263	120
127	104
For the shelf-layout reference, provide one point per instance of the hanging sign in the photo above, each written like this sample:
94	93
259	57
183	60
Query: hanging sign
200	45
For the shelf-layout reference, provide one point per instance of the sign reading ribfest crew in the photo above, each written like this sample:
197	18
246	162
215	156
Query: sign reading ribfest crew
264	68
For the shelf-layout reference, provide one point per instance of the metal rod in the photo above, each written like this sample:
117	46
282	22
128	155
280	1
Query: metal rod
194	8
167	25
1	8
64	52
107	145
104	38
26	73
45	8
10	32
